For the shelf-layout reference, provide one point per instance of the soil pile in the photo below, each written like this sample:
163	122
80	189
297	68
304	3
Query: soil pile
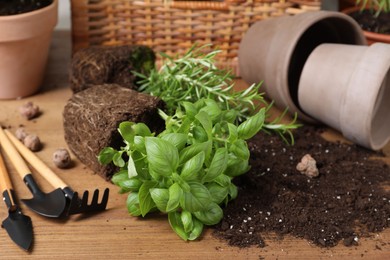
348	199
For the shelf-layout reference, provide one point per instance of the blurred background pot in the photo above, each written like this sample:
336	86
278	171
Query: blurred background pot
275	50
24	46
348	88
371	37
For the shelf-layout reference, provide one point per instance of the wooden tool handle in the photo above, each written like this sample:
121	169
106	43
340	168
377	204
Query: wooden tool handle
35	162
13	155
5	181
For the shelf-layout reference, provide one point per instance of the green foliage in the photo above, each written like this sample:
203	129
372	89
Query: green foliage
194	76
186	170
376	6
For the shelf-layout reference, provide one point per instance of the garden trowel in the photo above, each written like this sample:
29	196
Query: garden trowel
17	225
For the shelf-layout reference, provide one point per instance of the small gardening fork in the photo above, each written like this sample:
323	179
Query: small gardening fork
76	205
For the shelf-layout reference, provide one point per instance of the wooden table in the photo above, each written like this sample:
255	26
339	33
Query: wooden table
113	233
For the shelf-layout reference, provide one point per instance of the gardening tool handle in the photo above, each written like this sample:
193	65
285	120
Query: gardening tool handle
36	163
13	155
5	182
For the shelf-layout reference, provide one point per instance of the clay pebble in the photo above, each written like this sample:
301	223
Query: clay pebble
29	110
61	158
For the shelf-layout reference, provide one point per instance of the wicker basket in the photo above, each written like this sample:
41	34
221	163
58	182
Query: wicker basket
174	26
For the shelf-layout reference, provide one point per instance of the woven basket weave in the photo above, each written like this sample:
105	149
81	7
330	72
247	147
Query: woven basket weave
175	26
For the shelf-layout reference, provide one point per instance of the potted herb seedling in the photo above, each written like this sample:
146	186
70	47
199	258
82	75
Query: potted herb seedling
25	35
374	18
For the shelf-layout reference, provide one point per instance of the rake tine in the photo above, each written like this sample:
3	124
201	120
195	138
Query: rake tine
95	197
85	197
78	205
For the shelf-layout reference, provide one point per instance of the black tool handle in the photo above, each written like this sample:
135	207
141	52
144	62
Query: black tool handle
32	185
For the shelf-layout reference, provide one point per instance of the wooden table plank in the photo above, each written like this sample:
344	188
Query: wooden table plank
113	233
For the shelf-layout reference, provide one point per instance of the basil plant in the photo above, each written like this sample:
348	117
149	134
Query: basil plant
185	171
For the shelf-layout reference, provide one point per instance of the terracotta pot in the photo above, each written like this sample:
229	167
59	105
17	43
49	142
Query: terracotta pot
24	46
348	88
371	37
275	50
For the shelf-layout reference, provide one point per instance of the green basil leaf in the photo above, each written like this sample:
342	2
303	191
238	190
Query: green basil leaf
205	121
132	184
196	199
185	126
223	180
240	149
141	129
252	125
175	193
106	155
118	160
233	132
211	216
186	219
146	202
119	177
177	139
193	167
126	131
233	191
132	171
230	116
199	134
218	165
176	224
218	192
139	144
163	157
190	109
194	149
212	109
196	230
237	168
160	198
132	203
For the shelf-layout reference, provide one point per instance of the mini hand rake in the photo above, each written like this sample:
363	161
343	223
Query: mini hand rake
76	204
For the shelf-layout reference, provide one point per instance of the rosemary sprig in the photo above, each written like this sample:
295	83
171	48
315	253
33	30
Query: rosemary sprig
194	76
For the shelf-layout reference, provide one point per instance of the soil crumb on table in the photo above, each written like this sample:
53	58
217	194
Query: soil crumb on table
347	201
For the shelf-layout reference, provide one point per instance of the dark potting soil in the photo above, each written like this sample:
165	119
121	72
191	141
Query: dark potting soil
11	7
345	202
369	22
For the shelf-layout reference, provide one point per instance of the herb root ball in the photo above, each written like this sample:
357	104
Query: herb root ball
92	116
110	64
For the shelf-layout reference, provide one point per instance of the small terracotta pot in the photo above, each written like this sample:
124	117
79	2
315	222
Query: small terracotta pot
348	88
24	46
275	50
371	37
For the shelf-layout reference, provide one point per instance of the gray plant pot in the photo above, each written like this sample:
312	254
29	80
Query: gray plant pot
348	88
275	50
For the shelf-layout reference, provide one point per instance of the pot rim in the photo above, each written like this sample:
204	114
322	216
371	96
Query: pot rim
29	25
29	14
369	100
312	19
